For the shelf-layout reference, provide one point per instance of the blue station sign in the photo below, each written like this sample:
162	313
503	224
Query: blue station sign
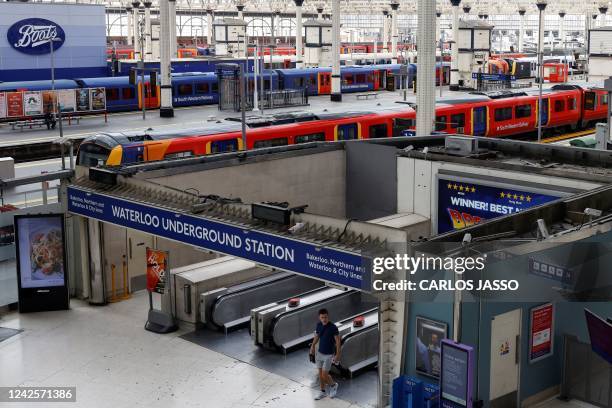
463	204
34	36
332	265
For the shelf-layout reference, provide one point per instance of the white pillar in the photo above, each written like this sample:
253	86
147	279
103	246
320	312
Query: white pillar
521	41
454	74
240	8
135	7
172	14
603	10
130	29
336	93
319	13
166	110
426	81
394	7
148	50
209	30
385	37
298	34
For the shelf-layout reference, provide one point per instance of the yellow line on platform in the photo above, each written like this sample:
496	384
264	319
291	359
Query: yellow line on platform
568	136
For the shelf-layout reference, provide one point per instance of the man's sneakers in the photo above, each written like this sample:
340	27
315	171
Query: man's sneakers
320	395
333	390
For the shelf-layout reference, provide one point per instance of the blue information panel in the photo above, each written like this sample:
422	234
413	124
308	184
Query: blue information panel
456	375
332	265
462	204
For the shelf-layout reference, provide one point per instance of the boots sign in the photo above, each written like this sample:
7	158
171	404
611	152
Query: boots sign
33	36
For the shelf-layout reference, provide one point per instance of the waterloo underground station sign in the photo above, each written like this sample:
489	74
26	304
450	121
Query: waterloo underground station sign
33	36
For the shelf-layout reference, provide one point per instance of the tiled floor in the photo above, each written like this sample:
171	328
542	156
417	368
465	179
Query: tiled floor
114	362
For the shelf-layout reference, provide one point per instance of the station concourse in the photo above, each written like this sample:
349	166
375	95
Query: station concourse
192	193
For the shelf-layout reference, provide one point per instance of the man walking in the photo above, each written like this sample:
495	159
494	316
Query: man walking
328	352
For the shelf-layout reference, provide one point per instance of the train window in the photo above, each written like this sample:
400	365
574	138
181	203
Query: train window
503	114
92	155
377	131
457	120
403	123
215	87
360	78
202	88
185	89
223	146
279	141
315	137
440	123
348	79
590	99
178	155
559	105
347	132
571	104
603	99
128	93
522	111
112	94
152	91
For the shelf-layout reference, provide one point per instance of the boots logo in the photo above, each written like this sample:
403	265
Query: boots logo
34	35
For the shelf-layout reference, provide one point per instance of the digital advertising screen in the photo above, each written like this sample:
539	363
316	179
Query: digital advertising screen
40	248
464	202
541	332
455	380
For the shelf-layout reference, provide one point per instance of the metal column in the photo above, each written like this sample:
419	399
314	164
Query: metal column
454	72
130	30
319	13
209	29
172	21
336	95
166	110
148	50
562	32
385	36
521	41
394	7
426	81
541	7
135	10
299	59
240	8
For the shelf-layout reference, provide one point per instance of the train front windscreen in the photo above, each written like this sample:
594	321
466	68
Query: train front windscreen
94	151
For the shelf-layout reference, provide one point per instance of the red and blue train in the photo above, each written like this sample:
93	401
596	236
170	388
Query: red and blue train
501	114
201	88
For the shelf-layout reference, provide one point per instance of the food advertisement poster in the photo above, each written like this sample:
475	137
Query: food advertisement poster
2	105
429	335
157	268
32	103
82	99
541	332
66	100
98	99
41	251
14	104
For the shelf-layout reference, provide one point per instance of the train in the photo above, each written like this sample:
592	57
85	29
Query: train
492	114
201	88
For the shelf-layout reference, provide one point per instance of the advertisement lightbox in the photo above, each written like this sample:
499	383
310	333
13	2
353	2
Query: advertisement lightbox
456	375
41	262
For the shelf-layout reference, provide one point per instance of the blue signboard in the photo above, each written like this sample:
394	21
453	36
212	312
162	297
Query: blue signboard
34	35
331	265
463	204
493	77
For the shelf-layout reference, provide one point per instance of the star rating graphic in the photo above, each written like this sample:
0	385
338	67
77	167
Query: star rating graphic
461	187
515	196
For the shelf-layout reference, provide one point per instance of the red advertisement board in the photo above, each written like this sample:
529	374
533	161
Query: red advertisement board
14	104
541	333
157	268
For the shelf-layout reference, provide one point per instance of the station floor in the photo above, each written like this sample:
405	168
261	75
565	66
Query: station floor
112	361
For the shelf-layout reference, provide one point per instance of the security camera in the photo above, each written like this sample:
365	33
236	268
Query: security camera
296	228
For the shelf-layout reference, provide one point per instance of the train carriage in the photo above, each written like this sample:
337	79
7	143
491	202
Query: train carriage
123	96
44	85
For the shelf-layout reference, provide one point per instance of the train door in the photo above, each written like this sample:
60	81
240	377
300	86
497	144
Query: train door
151	96
324	83
390	79
347	131
479	121
376	79
544	112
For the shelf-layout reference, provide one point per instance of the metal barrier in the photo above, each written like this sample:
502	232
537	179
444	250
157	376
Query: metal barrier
586	376
283	98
